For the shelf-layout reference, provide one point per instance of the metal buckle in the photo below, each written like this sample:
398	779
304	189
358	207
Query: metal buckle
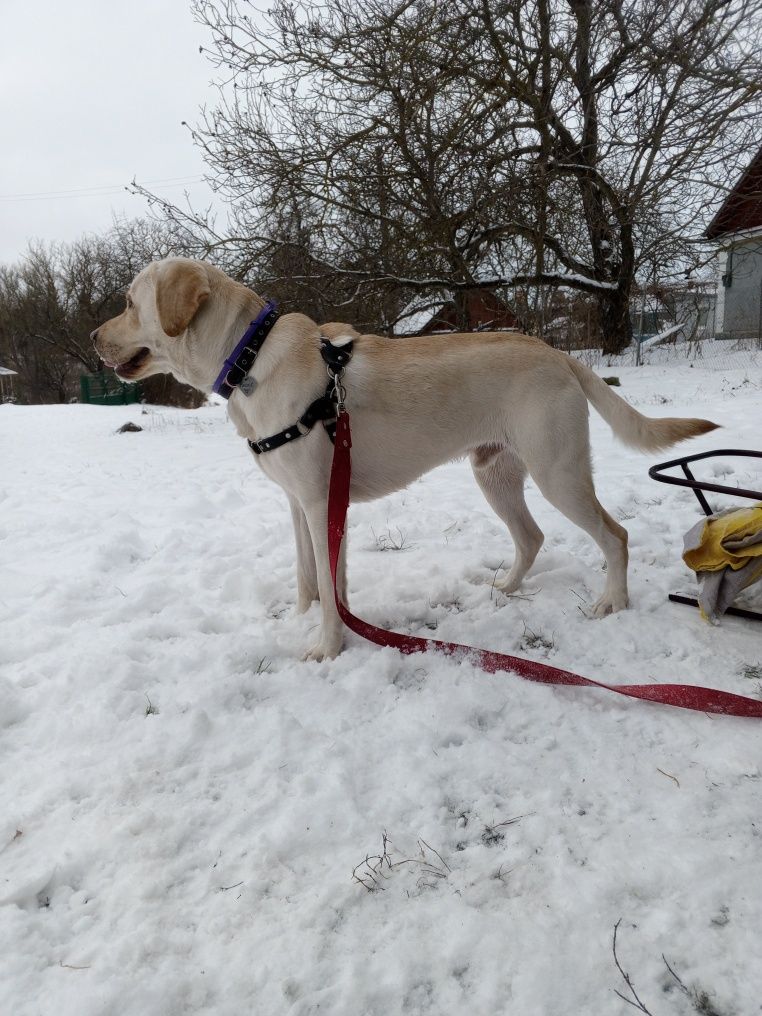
339	392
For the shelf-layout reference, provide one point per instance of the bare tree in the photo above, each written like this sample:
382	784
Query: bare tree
466	143
56	295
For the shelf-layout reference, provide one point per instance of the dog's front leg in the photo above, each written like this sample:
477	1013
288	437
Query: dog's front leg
306	572
332	629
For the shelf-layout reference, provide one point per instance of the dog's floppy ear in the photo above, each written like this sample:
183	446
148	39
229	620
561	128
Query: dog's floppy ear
181	289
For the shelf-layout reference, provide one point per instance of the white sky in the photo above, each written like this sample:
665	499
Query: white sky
92	94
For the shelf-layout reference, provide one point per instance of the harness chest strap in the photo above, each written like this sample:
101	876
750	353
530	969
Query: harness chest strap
323	409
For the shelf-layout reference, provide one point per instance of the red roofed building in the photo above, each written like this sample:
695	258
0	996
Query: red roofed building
737	228
432	315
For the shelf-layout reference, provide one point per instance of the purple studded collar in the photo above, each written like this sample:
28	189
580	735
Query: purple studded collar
234	373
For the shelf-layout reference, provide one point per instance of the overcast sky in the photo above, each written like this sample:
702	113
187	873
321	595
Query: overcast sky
92	94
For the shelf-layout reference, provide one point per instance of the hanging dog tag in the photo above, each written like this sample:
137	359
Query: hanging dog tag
248	385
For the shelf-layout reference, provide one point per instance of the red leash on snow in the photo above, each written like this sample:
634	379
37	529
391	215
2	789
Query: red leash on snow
686	696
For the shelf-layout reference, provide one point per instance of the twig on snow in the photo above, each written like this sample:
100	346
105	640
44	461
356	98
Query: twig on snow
637	1004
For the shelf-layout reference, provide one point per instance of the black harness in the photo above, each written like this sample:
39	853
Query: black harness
323	410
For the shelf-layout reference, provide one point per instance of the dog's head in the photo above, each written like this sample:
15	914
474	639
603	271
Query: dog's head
161	303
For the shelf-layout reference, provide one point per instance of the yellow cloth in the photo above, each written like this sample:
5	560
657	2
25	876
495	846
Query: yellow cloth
718	543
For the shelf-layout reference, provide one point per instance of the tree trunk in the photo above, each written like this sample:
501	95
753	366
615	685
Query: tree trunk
615	324
462	316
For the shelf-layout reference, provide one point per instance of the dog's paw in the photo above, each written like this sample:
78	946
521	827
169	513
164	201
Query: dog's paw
509	584
609	605
323	651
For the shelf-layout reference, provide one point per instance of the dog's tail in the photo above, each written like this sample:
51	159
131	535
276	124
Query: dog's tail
630	426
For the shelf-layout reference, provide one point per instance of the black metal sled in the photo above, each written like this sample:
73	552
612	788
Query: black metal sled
699	487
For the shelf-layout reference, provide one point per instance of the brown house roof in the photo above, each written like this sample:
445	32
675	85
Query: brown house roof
742	208
485	310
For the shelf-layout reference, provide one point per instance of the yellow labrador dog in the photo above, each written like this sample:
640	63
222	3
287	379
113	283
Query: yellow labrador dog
509	402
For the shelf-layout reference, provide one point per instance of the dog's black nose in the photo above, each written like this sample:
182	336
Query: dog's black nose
94	335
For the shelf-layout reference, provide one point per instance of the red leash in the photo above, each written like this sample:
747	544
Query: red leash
707	700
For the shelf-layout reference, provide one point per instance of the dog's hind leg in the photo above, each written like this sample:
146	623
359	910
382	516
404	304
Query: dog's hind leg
500	474
561	469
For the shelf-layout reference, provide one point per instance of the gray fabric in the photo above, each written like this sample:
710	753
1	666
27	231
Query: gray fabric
718	589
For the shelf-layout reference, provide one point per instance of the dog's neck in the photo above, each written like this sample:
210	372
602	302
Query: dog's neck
197	360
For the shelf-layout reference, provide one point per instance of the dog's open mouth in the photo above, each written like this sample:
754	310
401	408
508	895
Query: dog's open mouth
131	367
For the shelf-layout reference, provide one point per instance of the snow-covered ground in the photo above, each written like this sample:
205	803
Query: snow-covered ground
183	802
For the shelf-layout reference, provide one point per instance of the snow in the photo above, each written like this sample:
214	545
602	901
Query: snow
184	803
419	312
659	337
567	277
664	335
